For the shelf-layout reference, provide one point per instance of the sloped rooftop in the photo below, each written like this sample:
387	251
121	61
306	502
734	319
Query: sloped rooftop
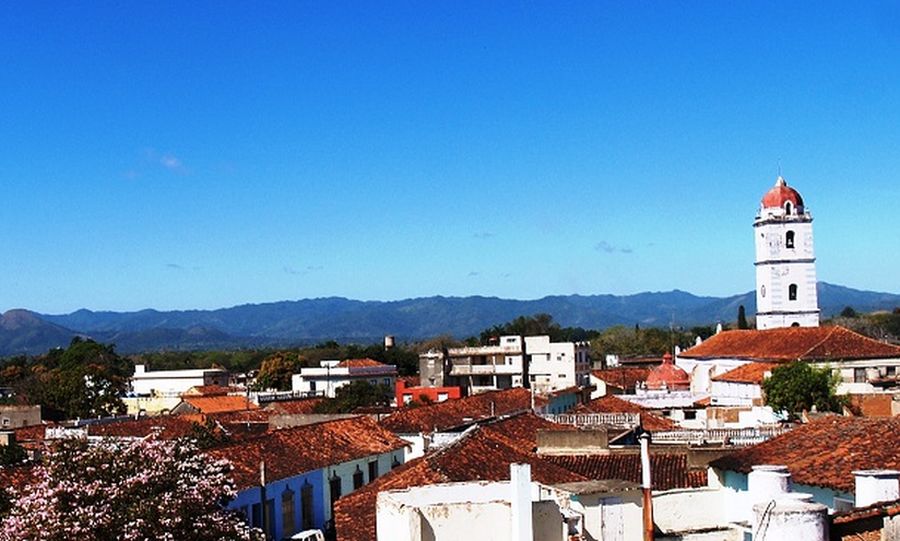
792	344
826	451
455	413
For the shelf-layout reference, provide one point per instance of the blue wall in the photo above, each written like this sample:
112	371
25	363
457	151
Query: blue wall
245	500
825	496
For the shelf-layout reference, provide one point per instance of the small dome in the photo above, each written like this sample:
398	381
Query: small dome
668	376
780	194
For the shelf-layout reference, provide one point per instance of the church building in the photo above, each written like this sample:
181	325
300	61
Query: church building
785	261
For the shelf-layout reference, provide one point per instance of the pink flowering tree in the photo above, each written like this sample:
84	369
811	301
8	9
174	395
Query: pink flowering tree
126	490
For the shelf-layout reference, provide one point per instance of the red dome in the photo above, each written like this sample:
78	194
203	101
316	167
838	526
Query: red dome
668	376
780	194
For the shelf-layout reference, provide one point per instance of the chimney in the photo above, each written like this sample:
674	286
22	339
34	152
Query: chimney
646	484
520	501
139	369
766	483
875	486
790	519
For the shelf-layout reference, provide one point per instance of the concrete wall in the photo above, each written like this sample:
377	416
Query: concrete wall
612	516
567	442
19	416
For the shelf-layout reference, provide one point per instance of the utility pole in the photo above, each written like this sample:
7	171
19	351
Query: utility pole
645	486
266	527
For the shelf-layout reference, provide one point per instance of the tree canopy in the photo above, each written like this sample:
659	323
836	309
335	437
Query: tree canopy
87	379
357	394
799	386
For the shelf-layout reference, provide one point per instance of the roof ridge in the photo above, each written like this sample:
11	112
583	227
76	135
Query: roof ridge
820	342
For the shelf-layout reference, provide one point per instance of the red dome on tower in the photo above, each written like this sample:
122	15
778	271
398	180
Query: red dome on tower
668	376
780	194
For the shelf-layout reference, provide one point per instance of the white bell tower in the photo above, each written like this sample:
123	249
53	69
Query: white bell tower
785	261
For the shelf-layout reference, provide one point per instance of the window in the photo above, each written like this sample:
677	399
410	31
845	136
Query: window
373	470
690	415
387	381
306	506
890	371
358	480
789	239
334	486
792	292
395	462
859	375
5	421
256	515
287	511
312	386
788	207
270	519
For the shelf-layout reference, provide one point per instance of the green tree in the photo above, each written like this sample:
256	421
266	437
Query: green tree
799	386
357	394
849	312
742	318
277	369
12	454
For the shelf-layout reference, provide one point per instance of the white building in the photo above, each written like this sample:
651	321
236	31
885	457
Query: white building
172	383
486	368
553	366
785	261
534	362
332	375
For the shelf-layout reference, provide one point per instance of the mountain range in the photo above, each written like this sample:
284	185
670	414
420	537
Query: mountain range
307	321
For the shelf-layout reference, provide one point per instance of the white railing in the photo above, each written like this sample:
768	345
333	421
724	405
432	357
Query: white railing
626	420
734	436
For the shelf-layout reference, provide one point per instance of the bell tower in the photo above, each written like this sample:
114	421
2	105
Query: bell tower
785	261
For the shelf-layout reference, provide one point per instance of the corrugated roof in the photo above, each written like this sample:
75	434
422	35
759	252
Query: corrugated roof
792	344
826	451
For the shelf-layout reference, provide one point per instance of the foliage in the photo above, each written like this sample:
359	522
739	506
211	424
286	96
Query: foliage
277	369
12	454
538	324
357	394
799	386
207	435
87	379
635	342
136	491
742	318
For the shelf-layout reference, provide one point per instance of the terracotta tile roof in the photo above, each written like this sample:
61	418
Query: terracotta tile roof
211	390
623	377
292	451
166	427
31	433
826	451
454	413
216	404
669	470
791	344
361	363
613	404
608	404
484	454
753	372
520	431
295	407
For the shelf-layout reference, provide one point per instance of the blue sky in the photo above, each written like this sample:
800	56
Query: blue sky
200	155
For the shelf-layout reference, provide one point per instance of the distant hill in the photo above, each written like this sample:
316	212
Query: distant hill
311	320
